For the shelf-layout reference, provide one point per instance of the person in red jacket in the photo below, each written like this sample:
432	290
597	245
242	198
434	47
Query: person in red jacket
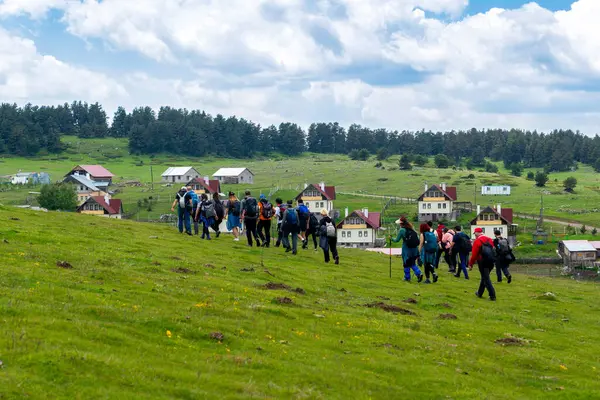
485	266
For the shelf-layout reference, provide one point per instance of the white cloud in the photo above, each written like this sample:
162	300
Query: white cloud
273	60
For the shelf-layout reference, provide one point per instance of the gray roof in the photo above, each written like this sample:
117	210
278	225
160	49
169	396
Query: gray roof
231	172
84	181
578	245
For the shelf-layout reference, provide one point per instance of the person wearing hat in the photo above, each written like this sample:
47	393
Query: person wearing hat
410	248
328	237
485	265
234	210
183	201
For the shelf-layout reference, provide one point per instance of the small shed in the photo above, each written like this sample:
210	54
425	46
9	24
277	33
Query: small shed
234	176
577	252
22	178
495	190
596	245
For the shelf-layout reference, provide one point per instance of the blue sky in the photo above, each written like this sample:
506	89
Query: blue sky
381	63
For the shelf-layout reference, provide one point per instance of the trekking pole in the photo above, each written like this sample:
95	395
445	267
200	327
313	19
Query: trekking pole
390	258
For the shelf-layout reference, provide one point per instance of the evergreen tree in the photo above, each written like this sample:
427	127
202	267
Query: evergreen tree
404	162
541	178
569	184
441	161
58	196
516	169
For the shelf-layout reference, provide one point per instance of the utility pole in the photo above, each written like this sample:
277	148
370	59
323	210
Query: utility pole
151	178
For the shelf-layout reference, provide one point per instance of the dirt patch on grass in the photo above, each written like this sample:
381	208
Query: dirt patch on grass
183	271
410	301
283	300
511	341
247	269
447	316
445	305
209	266
383	298
299	291
64	264
390	308
176	258
217	336
156	263
275	286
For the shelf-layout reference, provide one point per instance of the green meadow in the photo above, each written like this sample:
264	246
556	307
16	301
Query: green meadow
105	309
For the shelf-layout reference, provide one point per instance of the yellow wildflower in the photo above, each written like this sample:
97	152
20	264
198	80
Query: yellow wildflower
563	367
169	334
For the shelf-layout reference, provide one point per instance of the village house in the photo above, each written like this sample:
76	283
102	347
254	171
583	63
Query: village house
234	176
179	174
90	181
577	252
490	219
205	185
359	229
317	197
436	203
34	178
102	206
96	173
21	178
495	190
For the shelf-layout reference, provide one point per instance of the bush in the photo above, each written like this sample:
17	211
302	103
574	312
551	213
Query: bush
583	229
363	154
378	165
569	184
489	167
58	196
442	161
404	163
471	176
516	169
530	176
382	154
541	178
420	160
594	232
354	154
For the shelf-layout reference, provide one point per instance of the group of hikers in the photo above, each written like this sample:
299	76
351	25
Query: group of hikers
419	249
426	248
256	218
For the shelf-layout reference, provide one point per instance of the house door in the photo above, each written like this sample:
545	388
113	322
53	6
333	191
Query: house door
173	178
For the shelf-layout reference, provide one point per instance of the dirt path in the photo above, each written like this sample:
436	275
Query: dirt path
574	224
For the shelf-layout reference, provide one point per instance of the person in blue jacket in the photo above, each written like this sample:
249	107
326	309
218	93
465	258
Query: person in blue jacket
410	248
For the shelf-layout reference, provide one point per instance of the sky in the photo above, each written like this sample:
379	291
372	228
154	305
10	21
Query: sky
395	64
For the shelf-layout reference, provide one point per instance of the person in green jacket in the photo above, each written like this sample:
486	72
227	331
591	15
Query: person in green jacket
410	248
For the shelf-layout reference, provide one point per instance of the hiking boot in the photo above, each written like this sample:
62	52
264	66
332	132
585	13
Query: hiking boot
509	279
492	299
420	278
435	278
478	295
218	233
294	252
208	238
499	280
288	249
337	261
189	233
427	281
456	275
406	280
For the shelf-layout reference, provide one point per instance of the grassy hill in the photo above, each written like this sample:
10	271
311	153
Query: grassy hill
136	311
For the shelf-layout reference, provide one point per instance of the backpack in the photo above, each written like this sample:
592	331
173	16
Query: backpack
431	243
219	210
267	210
303	211
411	239
503	247
209	209
251	208
313	223
237	208
488	254
291	217
194	198
330	229
467	246
281	211
182	199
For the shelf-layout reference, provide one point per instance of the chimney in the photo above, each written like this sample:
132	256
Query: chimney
444	186
305	185
322	185
366	212
426	187
346	213
478	209
107	199
206	180
499	209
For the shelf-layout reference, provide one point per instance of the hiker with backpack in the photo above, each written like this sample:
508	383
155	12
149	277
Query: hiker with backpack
206	214
219	214
266	213
505	256
279	210
183	202
439	233
303	215
290	226
484	254
449	254
195	202
462	247
313	230
250	212
410	248
234	212
328	237
428	248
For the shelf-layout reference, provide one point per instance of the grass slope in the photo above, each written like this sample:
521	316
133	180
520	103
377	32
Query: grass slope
121	324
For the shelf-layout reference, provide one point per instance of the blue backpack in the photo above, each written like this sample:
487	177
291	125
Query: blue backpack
303	211
292	217
431	243
195	199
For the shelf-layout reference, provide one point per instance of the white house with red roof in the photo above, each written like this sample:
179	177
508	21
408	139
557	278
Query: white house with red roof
317	197
205	185
102	206
96	173
490	219
436	203
359	229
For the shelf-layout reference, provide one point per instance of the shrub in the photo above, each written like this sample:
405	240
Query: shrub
516	169
530	176
404	163
58	196
569	184
420	160
442	161
541	178
489	167
382	154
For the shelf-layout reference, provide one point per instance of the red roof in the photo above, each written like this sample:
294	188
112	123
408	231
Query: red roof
450	192
214	186
114	206
505	216
96	171
328	193
374	220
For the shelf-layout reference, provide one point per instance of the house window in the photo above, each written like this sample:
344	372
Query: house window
483	229
486	217
366	234
359	234
424	206
496	217
501	230
504	189
343	234
439	206
187	178
322	205
242	178
429	206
